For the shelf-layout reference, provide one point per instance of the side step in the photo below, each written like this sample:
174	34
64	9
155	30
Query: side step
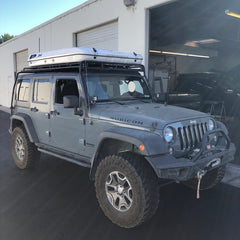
69	159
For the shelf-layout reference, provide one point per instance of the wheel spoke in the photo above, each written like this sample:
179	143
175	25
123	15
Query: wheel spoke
111	184
125	203
127	196
115	199
114	179
111	187
121	178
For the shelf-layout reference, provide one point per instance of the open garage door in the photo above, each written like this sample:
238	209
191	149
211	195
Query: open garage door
103	37
21	60
195	57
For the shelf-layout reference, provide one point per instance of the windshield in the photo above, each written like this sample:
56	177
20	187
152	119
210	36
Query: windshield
107	87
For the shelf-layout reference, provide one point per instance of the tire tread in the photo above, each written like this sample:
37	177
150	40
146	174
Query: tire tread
145	175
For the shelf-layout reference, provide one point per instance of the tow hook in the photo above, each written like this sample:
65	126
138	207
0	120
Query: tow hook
215	162
200	174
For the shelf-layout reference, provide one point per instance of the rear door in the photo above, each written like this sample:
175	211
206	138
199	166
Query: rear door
40	106
67	129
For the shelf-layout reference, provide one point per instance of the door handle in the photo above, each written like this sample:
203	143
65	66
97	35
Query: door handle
47	115
55	113
34	109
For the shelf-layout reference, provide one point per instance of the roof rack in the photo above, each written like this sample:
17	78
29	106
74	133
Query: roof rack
82	66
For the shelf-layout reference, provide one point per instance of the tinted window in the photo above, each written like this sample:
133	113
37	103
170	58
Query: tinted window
22	90
41	90
65	87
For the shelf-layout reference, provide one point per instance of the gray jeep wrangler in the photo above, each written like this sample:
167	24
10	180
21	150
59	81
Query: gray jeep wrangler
94	108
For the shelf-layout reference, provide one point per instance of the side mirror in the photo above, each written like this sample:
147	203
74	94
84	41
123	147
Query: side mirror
160	97
70	101
93	100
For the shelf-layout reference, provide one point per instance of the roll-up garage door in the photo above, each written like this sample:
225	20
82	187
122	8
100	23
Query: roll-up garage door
103	37
21	60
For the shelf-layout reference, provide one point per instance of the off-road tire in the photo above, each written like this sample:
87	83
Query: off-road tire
145	191
30	155
208	181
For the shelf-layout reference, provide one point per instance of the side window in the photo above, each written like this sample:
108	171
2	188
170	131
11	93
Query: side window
41	92
65	87
22	90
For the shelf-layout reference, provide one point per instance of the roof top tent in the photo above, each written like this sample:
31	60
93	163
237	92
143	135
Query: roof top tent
192	37
77	54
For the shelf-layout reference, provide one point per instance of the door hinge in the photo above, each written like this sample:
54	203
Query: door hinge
48	133
82	141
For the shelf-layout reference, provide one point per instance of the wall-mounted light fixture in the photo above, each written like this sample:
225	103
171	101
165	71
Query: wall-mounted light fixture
129	3
232	14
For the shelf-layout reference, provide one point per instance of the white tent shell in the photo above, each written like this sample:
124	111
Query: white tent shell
77	54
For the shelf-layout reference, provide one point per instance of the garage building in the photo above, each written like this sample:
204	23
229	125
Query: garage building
179	40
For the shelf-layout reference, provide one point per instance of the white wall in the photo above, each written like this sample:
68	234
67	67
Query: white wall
59	32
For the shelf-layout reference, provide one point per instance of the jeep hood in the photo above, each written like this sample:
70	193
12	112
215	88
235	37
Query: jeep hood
144	115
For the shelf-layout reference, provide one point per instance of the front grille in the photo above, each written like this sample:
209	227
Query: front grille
190	136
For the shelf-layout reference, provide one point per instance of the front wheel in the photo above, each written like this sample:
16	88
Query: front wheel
126	189
208	181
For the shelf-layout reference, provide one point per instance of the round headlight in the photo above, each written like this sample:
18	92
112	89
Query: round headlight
168	134
210	125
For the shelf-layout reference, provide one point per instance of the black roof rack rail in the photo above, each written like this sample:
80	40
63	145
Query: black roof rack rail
89	65
112	66
49	68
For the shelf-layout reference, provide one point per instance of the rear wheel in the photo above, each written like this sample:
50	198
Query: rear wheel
24	152
127	189
209	180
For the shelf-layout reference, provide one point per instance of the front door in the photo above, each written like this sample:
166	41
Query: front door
67	129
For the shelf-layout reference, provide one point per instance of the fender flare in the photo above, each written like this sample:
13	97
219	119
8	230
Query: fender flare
154	143
28	125
222	126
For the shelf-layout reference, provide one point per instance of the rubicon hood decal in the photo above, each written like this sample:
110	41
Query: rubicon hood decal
126	120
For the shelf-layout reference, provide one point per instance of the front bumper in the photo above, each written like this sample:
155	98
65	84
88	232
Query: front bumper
182	169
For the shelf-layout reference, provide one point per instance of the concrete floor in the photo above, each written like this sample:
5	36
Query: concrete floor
56	201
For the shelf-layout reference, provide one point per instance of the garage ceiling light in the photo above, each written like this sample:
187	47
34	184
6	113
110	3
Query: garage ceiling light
178	54
191	44
207	41
229	13
203	41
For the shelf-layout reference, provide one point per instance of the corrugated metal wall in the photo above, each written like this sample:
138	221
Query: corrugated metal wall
103	37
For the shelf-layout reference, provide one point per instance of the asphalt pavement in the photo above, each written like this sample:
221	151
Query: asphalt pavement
56	201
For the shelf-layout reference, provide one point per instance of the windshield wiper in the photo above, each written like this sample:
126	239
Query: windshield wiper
111	100
138	98
121	103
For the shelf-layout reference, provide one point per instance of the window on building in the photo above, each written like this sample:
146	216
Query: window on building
41	91
22	90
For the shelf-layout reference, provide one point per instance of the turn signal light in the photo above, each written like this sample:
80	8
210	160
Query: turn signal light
141	147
